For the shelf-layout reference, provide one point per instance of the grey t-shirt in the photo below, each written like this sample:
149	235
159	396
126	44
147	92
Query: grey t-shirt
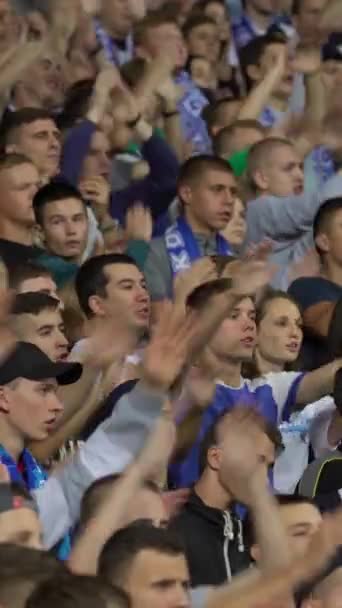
157	269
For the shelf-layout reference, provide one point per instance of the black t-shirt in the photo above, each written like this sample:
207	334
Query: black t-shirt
309	291
13	253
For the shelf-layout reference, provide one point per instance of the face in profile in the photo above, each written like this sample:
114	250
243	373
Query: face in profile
280	332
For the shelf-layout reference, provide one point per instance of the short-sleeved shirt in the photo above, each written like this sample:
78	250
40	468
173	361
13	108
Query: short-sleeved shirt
309	291
273	395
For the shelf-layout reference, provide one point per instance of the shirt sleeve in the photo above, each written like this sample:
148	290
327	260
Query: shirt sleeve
312	290
109	450
322	412
284	389
157	271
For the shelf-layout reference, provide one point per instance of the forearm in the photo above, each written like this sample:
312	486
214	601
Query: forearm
318	384
17	62
315	106
258	98
334	434
270	532
174	136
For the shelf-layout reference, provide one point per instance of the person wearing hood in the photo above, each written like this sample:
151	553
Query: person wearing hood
236	454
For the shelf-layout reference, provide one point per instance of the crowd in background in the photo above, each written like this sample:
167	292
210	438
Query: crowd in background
170	303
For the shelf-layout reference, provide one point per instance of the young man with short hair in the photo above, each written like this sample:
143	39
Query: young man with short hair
320	296
61	214
202	38
37	319
257	17
206	190
148	563
158	34
280	210
212	529
33	132
29	408
275	394
19	182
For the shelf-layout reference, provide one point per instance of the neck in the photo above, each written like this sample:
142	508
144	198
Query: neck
196	225
211	492
260	19
11	441
17	233
264	366
229	372
332	272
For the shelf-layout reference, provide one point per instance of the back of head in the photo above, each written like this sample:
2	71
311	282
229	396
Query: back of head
215	114
122	548
71	591
22	272
26	561
91	278
227	142
33	303
13	160
52	192
200	297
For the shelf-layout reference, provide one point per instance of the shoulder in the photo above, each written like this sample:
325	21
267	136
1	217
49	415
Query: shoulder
312	290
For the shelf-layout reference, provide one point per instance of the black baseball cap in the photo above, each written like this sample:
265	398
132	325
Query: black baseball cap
332	49
28	361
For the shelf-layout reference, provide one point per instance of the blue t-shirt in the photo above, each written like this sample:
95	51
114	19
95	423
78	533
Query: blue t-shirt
308	291
273	395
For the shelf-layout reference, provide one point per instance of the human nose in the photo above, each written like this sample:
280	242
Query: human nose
56	405
179	597
61	339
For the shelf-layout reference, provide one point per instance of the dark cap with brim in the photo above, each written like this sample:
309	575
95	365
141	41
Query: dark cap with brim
29	362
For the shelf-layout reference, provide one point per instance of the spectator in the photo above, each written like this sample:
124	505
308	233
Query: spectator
153	36
29	408
139	557
16	211
280	210
148	504
61	214
33	132
319	296
41	86
236	229
38	320
114	31
257	17
208	519
206	191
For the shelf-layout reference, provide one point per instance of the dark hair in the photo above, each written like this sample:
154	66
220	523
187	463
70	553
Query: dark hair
324	215
13	159
91	278
219	141
76	103
122	548
194	167
33	303
251	53
27	561
133	71
98	491
196	20
212	113
16	120
22	272
201	295
210	438
52	192
250	368
72	591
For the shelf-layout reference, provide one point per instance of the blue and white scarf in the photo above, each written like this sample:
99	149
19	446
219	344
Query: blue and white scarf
190	108
112	52
244	30
183	248
33	477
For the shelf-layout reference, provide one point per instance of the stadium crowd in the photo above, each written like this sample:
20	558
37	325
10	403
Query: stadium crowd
170	303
